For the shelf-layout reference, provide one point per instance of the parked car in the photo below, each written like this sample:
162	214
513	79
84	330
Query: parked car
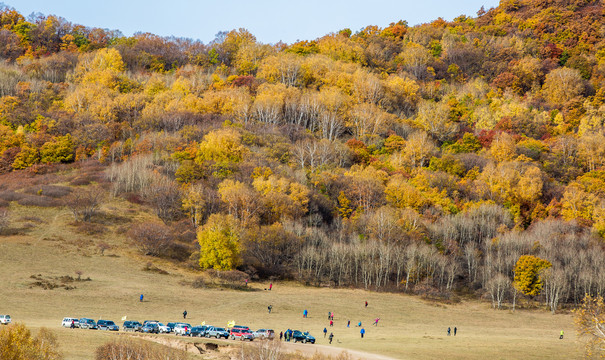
67	321
182	329
303	337
171	325
264	334
132	326
150	321
164	329
217	332
86	323
151	328
5	319
107	325
199	331
240	334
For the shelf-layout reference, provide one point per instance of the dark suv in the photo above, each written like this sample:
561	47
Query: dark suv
303	337
151	327
107	325
199	331
132	326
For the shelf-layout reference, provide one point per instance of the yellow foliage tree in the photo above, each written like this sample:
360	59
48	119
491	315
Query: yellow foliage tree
418	150
250	55
219	241
222	146
285	68
285	198
17	343
194	203
241	200
401	194
527	274
503	148
366	186
562	85
27	157
590	322
577	203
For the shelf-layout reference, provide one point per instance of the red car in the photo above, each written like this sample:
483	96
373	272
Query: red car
241	334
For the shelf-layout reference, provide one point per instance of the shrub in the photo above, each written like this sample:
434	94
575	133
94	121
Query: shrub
81	180
89	228
84	203
128	349
17	343
8	195
52	191
41	201
151	238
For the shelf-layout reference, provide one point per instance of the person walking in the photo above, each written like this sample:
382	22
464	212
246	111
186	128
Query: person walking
325	332
376	322
281	335
270	286
305	313
270	307
246	282
331	337
73	324
185	314
561	336
348	323
332	316
141	298
329	315
449	330
362	331
366	304
455	330
331	322
359	324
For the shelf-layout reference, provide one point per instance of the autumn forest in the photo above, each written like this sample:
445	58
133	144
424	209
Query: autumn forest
459	157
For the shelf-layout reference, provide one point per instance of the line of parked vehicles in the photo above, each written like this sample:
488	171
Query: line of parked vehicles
237	332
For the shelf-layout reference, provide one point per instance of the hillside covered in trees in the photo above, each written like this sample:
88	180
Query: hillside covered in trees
451	156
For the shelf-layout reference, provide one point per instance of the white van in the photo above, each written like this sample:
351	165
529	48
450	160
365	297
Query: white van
68	321
5	319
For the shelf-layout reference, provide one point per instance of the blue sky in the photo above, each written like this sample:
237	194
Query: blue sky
269	20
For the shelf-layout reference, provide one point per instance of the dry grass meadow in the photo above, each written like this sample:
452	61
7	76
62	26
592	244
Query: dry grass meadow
410	328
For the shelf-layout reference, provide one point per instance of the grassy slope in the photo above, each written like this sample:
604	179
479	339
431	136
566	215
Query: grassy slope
410	328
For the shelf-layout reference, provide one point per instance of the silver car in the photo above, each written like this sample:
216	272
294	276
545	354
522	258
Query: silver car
264	334
86	323
217	332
